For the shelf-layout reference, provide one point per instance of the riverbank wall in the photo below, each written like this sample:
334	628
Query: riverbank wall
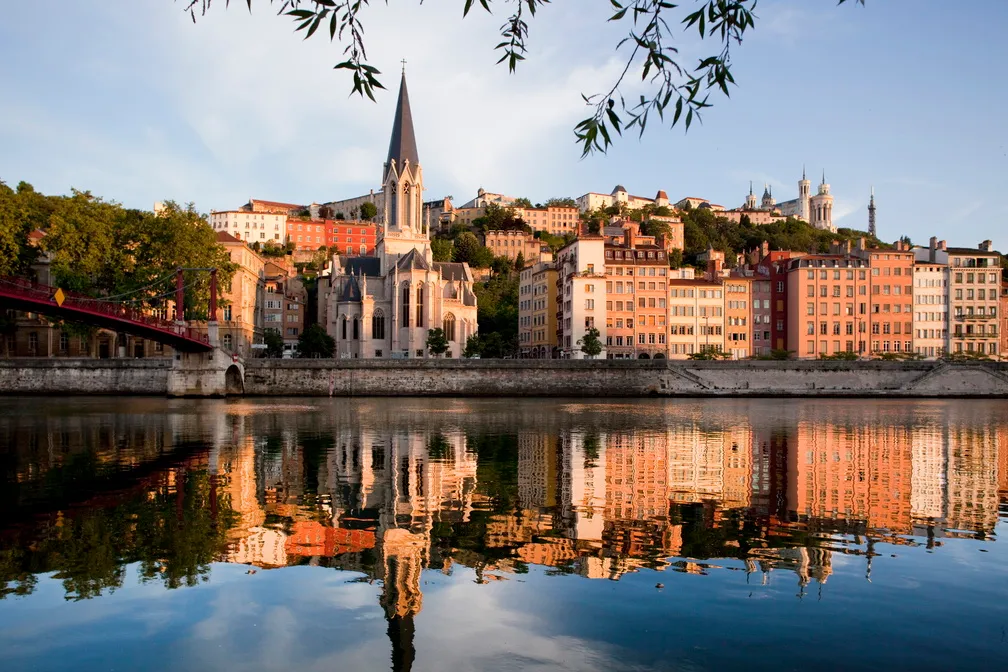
518	378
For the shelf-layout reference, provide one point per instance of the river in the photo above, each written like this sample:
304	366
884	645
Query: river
535	534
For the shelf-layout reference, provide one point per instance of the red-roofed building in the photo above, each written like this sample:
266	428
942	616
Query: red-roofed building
273	207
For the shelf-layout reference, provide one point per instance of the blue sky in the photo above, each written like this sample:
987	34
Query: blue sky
136	103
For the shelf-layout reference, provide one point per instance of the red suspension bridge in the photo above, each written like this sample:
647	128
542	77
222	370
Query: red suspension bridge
107	313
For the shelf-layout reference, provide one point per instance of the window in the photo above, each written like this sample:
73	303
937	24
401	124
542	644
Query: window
449	327
405	297
343	328
356	329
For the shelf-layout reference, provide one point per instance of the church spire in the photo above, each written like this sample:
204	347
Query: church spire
402	147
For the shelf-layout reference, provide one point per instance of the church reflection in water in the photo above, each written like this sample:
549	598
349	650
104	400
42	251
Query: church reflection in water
392	489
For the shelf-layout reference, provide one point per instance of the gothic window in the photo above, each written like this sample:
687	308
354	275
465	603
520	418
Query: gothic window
449	327
378	325
393	204
343	331
407	204
356	329
405	304
419	306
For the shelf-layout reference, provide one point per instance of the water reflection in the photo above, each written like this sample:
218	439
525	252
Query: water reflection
391	488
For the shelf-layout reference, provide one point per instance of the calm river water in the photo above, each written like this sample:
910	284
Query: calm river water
416	534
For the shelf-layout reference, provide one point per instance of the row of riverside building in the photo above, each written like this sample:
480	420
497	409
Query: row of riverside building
920	301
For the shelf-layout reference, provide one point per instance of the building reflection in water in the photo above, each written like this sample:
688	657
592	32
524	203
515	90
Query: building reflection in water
592	490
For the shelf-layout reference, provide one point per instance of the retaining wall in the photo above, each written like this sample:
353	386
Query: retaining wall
601	378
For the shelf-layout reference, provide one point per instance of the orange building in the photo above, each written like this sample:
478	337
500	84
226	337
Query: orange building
1004	320
738	302
891	299
352	237
828	305
636	296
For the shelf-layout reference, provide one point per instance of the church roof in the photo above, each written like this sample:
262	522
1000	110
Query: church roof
413	261
403	143
361	265
451	270
619	188
351	292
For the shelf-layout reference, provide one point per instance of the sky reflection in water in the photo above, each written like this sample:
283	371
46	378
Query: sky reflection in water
502	535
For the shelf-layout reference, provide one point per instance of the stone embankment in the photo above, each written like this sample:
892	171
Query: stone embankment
492	378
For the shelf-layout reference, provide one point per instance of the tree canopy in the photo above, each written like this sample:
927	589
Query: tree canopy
100	248
677	90
314	343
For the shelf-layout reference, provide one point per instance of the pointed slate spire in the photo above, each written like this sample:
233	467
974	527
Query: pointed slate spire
402	147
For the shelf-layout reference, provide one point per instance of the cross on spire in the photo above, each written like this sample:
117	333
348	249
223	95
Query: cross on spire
404	66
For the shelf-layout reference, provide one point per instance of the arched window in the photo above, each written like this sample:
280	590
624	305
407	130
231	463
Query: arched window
405	305
343	331
419	306
378	325
407	204
449	327
393	204
356	328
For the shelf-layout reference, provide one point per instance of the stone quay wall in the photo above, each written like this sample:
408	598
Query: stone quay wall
58	376
503	378
621	378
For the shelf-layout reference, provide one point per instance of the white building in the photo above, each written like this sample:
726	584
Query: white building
816	210
581	297
250	227
931	309
384	306
619	196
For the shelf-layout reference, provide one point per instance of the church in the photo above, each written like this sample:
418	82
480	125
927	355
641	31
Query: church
816	210
384	306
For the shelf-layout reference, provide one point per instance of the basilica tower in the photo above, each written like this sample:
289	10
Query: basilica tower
821	206
804	194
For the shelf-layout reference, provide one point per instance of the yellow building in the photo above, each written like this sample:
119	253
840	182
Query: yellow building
696	317
537	308
510	244
738	315
241	315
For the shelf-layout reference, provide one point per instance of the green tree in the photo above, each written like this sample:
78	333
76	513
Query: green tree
467	247
437	342
368	211
473	347
443	250
675	89
590	343
315	343
519	263
274	343
522	203
561	202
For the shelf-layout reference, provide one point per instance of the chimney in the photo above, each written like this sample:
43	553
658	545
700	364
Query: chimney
861	244
629	237
942	245
932	248
986	246
714	265
847	246
765	248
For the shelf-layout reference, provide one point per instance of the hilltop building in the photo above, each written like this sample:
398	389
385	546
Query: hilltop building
384	306
817	210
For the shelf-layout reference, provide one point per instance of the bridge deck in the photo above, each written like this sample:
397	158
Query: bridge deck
25	295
